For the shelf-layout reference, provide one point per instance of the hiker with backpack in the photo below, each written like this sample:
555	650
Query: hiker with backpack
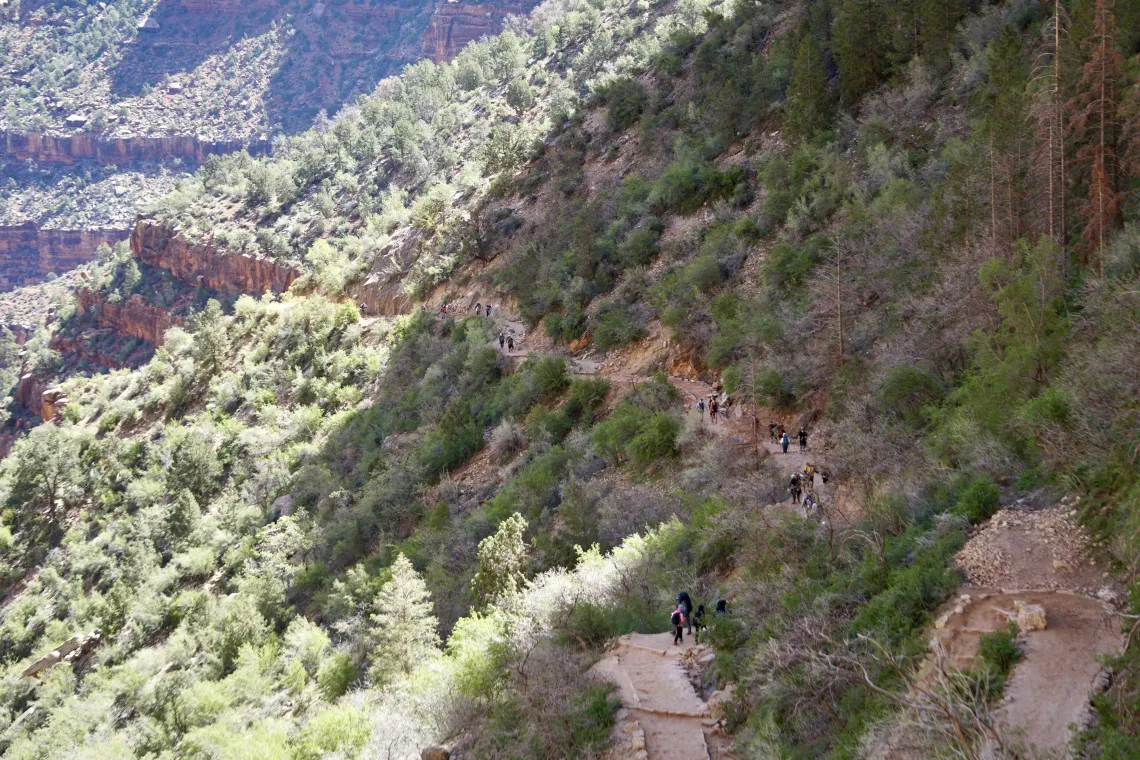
699	623
713	407
785	441
701	409
510	344
678	621
502	340
686	604
772	432
803	439
795	488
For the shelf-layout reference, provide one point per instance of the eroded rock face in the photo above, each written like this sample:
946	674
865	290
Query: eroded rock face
134	317
29	252
453	25
85	146
202	264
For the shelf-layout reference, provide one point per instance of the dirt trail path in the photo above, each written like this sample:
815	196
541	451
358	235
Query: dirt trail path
1043	557
662	713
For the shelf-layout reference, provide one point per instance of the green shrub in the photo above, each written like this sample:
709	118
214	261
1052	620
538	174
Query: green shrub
999	651
688	184
626	100
614	325
337	673
906	391
656	440
640	245
980	499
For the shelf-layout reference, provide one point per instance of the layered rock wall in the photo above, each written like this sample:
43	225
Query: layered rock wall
29	252
134	317
85	146
453	25
202	264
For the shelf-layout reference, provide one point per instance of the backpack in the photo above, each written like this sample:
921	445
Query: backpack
678	618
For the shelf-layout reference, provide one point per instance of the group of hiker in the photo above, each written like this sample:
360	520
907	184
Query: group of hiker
506	340
683	617
779	435
445	308
714	406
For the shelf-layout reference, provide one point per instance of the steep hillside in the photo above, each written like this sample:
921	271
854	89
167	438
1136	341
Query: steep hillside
377	442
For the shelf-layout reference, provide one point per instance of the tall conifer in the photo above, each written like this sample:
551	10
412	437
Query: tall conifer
806	110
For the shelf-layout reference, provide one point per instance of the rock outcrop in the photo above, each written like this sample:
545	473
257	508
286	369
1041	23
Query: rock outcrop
133	318
203	264
85	146
453	25
33	394
29	252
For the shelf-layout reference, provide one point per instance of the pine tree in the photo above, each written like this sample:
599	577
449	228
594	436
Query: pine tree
858	43
211	343
406	632
1006	128
1048	116
502	558
807	109
937	20
1095	128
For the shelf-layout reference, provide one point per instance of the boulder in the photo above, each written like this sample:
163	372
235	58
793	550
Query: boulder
1030	617
718	699
281	506
435	753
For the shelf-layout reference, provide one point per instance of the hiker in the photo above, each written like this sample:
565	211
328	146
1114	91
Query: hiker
701	408
809	476
772	432
726	408
825	476
785	441
479	309
510	343
678	621
811	506
721	607
699	623
713	406
795	489
443	308
502	340
803	439
686	604
488	310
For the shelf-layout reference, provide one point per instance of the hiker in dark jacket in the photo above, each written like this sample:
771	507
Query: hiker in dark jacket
686	604
678	621
699	622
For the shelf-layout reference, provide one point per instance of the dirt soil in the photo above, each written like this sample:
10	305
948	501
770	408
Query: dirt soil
662	716
1039	556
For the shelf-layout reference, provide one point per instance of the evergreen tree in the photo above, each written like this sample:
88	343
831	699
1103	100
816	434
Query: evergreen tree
211	343
184	514
858	44
502	558
1048	116
937	20
807	109
1005	126
46	477
406	631
1096	130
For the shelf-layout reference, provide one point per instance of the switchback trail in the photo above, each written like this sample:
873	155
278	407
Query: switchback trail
662	714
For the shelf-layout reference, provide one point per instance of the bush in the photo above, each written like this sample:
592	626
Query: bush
979	500
688	184
336	675
626	100
614	325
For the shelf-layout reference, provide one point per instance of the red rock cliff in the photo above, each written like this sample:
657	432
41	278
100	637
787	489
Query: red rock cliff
203	264
28	252
453	25
55	149
133	317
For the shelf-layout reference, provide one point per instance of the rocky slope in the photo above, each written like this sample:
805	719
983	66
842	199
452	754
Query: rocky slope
29	252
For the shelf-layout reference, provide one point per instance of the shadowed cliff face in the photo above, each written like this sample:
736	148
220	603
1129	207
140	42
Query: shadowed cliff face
453	25
52	149
29	253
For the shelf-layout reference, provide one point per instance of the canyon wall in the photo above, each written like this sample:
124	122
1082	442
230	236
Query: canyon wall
29	252
134	317
85	146
453	25
201	264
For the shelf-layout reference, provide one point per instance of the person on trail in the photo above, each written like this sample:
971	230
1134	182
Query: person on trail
699	623
825	476
726	408
443	308
811	506
795	489
803	439
502	340
686	604
510	343
678	621
713	407
808	478
772	432
488	310
701	408
721	607
785	442
479	309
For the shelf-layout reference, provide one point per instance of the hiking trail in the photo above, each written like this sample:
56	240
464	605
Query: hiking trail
662	716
